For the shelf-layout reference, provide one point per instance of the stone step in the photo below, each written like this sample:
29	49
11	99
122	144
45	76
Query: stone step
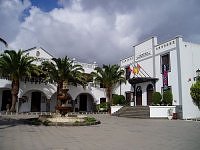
134	112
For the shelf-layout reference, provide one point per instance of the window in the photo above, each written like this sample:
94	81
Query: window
102	100
129	96
165	63
37	53
101	85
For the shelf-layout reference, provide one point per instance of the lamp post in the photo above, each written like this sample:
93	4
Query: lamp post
197	78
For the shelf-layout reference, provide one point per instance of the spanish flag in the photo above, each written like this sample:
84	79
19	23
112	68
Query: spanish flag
135	70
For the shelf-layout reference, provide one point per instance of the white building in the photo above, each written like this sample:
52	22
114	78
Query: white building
179	60
35	95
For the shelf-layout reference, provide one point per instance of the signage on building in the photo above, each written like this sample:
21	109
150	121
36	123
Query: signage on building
143	55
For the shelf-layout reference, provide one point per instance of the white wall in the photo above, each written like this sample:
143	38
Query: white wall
144	49
5	83
48	89
146	66
160	111
172	75
96	92
26	106
190	54
43	55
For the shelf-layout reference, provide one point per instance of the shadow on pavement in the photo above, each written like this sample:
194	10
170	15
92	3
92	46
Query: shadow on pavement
6	122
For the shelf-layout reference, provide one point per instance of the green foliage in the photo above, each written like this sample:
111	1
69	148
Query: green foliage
156	96
167	97
63	69
34	121
16	65
195	93
89	119
103	106
109	76
118	99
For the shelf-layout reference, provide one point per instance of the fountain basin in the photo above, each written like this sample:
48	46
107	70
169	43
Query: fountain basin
70	120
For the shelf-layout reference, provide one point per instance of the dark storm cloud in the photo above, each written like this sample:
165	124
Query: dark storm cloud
167	18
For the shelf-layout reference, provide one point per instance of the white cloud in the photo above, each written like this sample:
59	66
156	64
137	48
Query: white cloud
70	31
10	13
100	31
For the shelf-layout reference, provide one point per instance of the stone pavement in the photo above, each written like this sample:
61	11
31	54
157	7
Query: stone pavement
113	134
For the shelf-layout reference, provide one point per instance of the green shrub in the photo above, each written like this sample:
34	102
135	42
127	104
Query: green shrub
105	106
118	99
195	93
90	119
156	96
167	97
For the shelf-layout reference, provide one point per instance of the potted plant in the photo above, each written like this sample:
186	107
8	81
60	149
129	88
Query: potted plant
167	97
156	98
170	114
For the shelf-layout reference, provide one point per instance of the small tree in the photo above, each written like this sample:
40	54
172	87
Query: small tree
167	97
109	76
156	96
195	93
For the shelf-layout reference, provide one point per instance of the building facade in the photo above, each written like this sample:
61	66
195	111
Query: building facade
36	95
154	66
170	65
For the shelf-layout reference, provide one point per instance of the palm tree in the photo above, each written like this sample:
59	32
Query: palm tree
63	70
4	42
16	65
109	76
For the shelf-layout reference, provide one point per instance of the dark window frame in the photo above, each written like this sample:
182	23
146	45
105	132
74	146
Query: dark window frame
161	62
102	100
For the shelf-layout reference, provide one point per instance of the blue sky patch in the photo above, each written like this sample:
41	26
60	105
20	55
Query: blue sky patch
46	5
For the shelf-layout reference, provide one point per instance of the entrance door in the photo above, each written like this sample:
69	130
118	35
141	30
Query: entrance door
149	94
83	102
6	99
36	102
138	96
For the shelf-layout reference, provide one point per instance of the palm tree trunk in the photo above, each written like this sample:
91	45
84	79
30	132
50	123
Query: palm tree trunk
14	92
109	95
59	87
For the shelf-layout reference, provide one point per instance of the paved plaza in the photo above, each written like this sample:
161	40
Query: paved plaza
113	133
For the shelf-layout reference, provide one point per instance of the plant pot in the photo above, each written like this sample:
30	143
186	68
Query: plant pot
170	117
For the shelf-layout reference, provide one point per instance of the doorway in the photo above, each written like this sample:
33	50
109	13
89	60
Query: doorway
149	94
36	101
6	99
83	102
138	96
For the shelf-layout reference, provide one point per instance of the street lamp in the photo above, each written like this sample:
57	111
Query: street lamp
197	78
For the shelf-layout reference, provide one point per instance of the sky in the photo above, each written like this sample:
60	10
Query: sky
101	31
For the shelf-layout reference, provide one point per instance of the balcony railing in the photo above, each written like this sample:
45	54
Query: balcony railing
32	80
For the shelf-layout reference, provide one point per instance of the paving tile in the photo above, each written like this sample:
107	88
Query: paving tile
113	133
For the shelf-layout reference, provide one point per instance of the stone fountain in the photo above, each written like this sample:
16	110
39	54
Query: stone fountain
63	98
71	119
